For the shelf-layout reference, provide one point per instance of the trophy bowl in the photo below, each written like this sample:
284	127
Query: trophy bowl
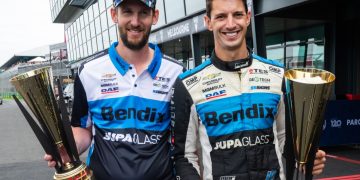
307	93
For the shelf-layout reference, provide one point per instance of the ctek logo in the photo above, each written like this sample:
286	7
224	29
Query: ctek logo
162	79
110	90
253	112
148	114
258	71
215	94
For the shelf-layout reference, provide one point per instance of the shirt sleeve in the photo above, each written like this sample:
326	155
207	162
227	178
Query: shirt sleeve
280	124
185	135
80	111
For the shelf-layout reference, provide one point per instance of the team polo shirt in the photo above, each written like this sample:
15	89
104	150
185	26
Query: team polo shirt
129	115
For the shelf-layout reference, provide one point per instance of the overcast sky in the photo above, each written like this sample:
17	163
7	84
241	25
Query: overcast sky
26	24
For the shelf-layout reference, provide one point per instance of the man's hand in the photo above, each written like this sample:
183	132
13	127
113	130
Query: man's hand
49	159
319	162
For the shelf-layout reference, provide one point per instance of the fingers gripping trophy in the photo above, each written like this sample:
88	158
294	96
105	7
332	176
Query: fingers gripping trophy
52	127
307	93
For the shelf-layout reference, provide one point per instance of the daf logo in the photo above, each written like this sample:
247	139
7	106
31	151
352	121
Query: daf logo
110	90
215	94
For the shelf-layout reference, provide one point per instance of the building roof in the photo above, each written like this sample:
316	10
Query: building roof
26	56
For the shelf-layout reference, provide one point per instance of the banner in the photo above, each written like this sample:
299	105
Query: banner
342	123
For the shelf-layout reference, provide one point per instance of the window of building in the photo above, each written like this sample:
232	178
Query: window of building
180	49
194	6
68	47
100	42
108	3
113	34
86	53
90	13
89	46
76	41
80	39
81	49
71	29
106	39
174	10
82	22
102	5
109	20
67	36
94	45
275	47
86	18
304	47
73	45
96	10
161	20
97	25
104	25
76	53
74	29
87	32
92	29
83	36
78	25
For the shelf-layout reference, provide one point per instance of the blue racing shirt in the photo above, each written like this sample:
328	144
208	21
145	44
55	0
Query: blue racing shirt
129	115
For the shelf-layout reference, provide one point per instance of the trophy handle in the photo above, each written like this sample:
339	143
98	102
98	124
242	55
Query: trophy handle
65	122
40	135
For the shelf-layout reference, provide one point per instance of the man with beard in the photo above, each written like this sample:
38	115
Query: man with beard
121	103
231	106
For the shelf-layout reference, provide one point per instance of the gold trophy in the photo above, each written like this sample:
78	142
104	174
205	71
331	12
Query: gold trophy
54	133
307	93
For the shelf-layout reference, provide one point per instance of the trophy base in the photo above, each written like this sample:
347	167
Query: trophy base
79	173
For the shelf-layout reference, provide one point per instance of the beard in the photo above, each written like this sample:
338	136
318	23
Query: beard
134	45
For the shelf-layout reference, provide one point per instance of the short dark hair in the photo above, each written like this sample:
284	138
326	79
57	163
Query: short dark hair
209	7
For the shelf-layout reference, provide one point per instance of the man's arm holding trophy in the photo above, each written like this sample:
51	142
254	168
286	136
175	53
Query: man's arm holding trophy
319	163
82	138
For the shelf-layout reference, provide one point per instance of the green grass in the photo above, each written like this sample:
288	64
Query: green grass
8	95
